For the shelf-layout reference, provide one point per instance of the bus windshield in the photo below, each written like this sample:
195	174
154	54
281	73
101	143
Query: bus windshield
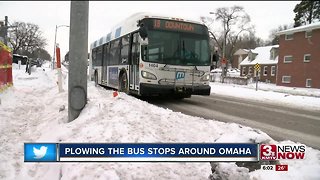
176	48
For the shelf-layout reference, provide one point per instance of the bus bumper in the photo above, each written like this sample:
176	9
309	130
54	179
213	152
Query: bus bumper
155	89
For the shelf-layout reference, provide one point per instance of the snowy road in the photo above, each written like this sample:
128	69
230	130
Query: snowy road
280	122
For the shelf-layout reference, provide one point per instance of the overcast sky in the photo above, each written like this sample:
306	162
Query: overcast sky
265	15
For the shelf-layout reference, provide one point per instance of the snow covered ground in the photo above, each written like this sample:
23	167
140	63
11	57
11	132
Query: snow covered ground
306	98
29	112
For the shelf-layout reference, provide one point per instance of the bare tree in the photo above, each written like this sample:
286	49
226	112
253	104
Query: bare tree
40	53
273	38
26	38
235	21
249	41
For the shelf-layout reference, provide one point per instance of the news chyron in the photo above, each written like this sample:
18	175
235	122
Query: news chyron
141	152
163	152
272	152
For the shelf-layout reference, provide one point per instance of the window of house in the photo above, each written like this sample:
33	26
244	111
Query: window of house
243	71
308	34
289	37
308	82
273	70
265	70
287	59
286	79
307	58
250	70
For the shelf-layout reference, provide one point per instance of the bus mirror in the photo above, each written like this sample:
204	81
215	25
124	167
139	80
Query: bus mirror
143	32
144	41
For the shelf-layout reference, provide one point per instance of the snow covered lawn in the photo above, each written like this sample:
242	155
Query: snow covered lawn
306	98
30	113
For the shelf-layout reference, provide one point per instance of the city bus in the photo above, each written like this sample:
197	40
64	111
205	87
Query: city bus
152	55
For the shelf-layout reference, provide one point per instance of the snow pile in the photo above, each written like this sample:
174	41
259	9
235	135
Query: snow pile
30	113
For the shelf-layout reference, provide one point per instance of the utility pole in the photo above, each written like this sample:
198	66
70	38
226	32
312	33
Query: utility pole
224	51
78	54
224	64
4	30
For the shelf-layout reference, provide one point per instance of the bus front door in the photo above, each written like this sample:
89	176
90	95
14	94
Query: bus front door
134	65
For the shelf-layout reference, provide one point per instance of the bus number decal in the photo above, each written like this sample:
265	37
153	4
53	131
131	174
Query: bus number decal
153	65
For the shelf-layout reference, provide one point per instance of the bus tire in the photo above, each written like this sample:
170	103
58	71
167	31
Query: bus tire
123	82
95	78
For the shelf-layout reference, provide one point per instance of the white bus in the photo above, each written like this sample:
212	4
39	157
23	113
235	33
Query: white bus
150	55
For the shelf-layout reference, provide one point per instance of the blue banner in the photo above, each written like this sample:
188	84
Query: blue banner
145	151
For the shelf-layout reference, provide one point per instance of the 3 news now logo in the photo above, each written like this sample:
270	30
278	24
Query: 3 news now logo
275	152
40	152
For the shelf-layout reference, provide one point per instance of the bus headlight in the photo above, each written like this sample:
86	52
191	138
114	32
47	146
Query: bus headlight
148	75
205	77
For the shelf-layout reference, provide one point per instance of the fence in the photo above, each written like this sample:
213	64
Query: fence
5	67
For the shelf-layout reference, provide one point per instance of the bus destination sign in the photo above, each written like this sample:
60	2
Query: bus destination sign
173	25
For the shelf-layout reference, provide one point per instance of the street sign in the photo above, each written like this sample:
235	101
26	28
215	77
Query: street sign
257	67
223	61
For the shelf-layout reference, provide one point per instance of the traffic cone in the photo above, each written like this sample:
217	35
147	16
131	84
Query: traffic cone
115	93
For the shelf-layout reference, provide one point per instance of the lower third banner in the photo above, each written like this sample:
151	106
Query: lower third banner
158	152
140	152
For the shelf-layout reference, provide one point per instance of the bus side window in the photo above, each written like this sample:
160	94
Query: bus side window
112	60
94	57
106	60
99	56
116	49
125	49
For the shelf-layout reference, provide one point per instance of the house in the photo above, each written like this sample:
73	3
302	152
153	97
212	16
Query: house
299	56
238	57
267	58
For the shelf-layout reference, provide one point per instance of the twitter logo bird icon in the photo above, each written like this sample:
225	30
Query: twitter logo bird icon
40	153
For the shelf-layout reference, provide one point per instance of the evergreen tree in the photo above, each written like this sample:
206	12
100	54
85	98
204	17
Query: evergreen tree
306	12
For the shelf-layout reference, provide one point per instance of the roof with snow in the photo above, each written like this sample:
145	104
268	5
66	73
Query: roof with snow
241	51
262	56
300	28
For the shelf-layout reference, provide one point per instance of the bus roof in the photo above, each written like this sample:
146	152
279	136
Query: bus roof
130	24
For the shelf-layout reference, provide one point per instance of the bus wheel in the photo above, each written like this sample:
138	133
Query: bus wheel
96	79
123	83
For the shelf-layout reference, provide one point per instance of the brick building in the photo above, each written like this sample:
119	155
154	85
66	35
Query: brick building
299	56
267	58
